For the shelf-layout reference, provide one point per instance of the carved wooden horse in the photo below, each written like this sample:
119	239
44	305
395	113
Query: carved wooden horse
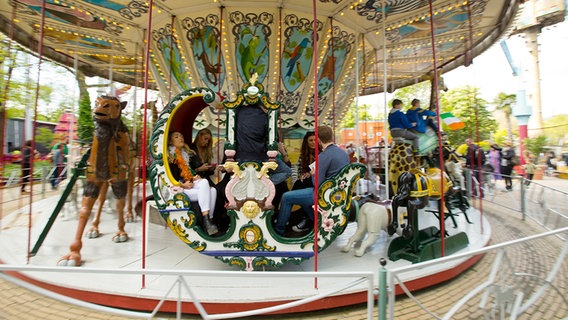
371	219
413	193
109	161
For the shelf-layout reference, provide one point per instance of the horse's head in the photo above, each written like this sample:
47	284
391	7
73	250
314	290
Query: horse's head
108	109
405	182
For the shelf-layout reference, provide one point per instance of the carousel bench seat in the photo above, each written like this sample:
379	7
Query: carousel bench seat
335	196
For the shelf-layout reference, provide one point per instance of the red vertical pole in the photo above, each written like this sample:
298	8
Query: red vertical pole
5	99
436	102
32	151
218	111
316	107
144	135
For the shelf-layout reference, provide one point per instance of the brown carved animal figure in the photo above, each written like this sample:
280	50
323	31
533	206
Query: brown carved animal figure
108	162
94	231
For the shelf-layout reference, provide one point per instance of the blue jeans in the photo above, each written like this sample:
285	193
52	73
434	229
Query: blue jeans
302	197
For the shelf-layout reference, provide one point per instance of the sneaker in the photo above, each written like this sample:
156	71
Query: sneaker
304	225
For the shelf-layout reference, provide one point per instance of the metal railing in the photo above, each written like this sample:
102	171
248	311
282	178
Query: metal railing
501	294
180	282
545	205
507	289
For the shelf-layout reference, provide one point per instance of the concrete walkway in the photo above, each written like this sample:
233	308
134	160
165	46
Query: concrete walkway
535	257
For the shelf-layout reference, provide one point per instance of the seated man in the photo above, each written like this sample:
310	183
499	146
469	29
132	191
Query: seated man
399	125
416	115
331	160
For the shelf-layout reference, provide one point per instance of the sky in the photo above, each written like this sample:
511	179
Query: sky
491	72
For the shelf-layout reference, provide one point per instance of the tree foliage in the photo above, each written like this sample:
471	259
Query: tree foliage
420	91
364	114
85	123
504	103
555	129
535	145
44	136
465	103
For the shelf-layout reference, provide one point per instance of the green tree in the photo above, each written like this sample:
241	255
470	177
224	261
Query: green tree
420	91
465	103
44	136
85	124
504	103
364	115
555	129
535	145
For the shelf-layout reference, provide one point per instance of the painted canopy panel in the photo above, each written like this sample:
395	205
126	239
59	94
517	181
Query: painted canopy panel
220	44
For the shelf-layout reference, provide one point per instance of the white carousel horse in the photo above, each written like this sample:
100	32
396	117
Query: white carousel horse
372	218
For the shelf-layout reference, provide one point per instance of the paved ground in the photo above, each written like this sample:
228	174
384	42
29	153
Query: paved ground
534	258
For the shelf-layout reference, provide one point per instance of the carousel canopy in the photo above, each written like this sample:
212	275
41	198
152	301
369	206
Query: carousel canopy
221	44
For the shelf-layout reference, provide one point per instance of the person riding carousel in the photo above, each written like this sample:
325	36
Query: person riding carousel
400	126
183	162
416	116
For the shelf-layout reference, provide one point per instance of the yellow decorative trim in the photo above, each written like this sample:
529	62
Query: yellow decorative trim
250	237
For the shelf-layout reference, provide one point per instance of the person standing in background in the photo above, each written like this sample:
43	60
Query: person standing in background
494	157
529	168
64	141
26	165
58	162
474	160
507	154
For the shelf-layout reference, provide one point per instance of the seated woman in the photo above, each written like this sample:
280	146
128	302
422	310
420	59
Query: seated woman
182	163
203	147
307	157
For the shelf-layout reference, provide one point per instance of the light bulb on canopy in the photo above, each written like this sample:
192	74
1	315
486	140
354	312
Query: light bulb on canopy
220	44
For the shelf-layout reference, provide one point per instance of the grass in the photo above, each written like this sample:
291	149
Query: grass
9	168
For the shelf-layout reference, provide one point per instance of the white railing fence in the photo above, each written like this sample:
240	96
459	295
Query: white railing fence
180	283
507	291
545	205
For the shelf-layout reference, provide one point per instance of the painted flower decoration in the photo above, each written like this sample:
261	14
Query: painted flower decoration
327	224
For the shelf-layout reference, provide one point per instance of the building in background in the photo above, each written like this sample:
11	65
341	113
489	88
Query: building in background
14	137
369	133
66	125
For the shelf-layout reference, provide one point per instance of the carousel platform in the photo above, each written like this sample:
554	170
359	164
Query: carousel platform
218	294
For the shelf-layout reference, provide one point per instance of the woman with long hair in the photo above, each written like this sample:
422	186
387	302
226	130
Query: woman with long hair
307	157
203	147
182	162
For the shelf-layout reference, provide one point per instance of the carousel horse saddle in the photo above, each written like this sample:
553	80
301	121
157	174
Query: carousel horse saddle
428	141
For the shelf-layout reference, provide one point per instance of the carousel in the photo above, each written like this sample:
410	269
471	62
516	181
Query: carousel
212	61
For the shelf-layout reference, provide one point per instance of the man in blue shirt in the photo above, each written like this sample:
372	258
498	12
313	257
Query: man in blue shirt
331	160
399	125
416	115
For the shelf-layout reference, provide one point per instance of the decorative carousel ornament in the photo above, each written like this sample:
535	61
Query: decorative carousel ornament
250	242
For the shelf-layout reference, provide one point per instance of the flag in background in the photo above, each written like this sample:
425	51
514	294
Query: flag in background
451	121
